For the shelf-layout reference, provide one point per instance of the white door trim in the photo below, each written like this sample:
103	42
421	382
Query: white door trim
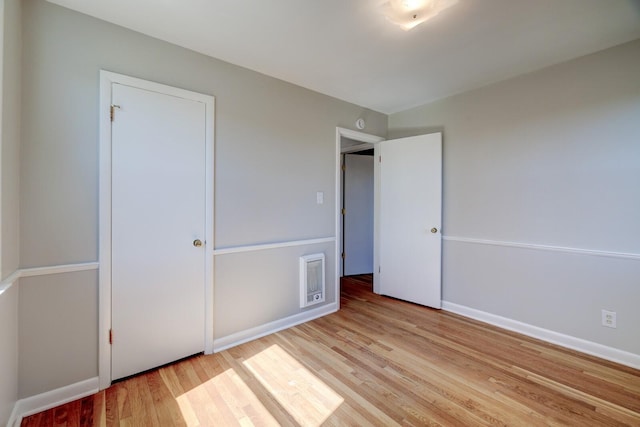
104	277
365	138
356	148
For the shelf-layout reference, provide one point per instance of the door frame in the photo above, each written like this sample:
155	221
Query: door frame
367	140
107	78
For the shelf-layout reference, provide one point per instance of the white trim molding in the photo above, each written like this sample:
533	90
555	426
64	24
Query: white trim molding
574	343
58	269
357	136
9	281
51	399
624	255
251	334
44	271
356	148
267	246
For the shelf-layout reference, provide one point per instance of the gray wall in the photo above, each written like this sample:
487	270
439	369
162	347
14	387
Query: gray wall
548	158
9	203
275	147
10	138
57	319
9	352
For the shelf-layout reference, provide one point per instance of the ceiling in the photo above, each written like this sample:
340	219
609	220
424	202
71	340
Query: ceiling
347	49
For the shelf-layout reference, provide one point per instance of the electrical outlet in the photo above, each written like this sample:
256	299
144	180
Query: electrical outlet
609	318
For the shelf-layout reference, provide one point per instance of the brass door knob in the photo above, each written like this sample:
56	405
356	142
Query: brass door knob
197	243
434	230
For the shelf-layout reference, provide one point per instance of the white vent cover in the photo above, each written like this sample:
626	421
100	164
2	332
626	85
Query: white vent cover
311	279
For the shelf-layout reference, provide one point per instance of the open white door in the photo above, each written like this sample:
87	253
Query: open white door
409	219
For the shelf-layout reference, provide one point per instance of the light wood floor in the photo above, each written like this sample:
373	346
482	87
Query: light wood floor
378	361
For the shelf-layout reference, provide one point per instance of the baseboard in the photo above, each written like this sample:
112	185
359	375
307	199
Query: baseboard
579	344
50	399
14	419
242	337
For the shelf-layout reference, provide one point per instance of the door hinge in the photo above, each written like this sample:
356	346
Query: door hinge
344	167
344	255
378	269
113	108
379	159
344	211
110	336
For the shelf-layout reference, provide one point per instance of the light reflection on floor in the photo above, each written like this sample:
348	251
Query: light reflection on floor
224	400
309	400
227	400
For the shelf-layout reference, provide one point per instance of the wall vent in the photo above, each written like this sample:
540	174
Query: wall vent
311	279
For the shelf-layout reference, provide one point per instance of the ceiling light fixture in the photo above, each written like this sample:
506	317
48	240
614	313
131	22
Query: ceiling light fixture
410	13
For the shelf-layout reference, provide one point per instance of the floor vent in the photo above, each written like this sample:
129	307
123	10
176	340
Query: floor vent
311	279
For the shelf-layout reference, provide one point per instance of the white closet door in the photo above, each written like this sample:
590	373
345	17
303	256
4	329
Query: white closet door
158	217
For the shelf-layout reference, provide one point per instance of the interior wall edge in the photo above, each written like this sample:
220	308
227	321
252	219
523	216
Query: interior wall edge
9	358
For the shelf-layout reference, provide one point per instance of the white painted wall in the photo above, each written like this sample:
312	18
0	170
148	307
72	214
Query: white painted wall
10	40
548	158
275	148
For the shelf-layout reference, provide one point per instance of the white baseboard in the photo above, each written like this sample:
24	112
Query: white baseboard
242	337
50	399
579	344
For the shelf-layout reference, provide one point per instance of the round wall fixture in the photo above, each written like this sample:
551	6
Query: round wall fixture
360	124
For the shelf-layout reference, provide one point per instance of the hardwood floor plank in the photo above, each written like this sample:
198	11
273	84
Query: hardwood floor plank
376	362
99	416
111	407
164	405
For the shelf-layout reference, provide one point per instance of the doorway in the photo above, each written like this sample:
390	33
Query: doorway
407	214
156	225
347	141
357	212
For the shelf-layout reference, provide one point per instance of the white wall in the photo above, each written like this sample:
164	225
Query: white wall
549	158
275	148
9	201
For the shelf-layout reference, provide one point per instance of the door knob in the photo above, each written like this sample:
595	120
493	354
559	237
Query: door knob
434	230
197	243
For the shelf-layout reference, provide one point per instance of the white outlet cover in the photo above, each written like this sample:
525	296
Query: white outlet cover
320	197
609	319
